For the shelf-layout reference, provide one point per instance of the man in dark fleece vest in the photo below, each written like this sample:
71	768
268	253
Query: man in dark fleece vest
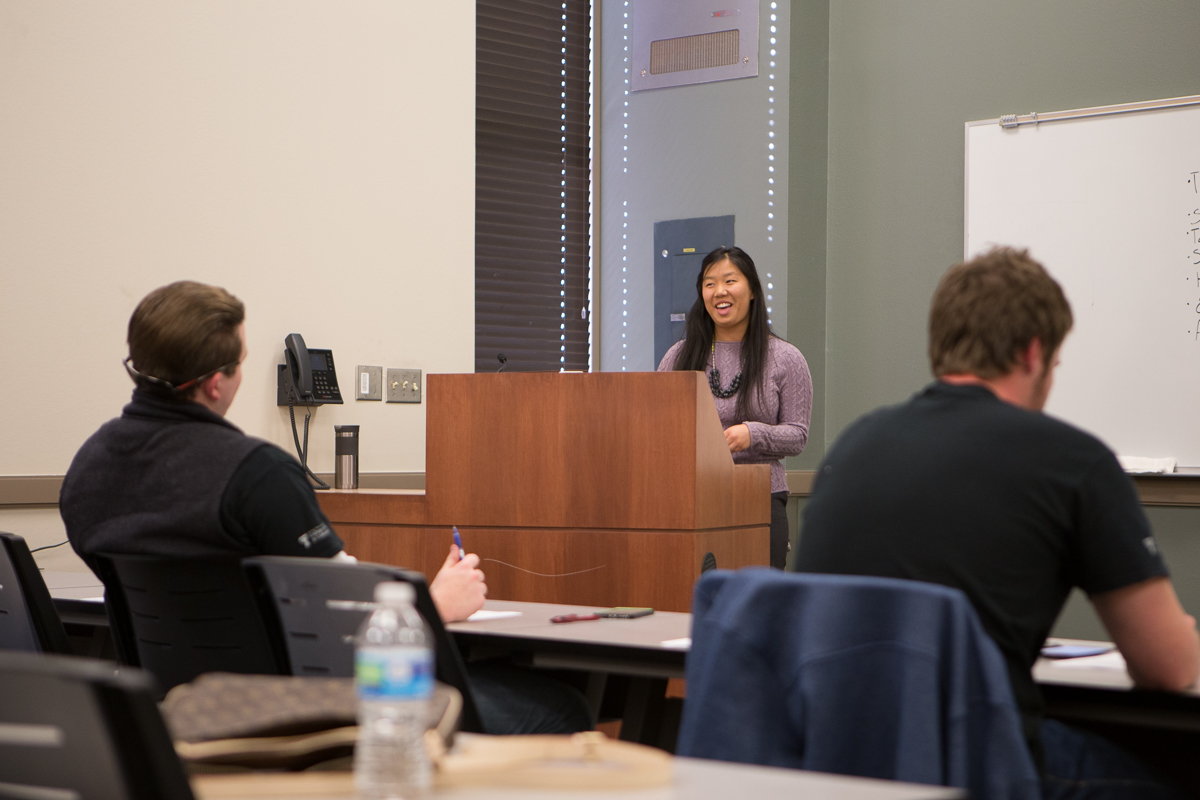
172	477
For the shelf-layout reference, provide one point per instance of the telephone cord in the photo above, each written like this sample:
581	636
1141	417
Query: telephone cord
544	574
303	451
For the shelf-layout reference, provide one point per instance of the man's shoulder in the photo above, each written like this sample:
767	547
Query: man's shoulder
1048	430
269	452
187	420
933	419
92	448
105	432
977	405
130	440
870	424
265	470
263	457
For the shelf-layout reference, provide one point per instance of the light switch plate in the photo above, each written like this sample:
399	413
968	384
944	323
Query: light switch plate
403	385
368	383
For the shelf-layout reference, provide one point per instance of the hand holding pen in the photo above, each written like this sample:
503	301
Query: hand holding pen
458	543
458	589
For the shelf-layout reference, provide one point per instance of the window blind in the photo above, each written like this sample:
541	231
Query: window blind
532	184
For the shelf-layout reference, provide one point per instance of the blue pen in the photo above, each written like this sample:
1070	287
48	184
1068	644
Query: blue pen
458	543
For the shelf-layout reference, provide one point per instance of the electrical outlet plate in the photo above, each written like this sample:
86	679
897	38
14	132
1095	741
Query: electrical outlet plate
403	386
368	383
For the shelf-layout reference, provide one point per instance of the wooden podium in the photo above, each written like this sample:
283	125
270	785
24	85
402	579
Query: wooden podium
596	489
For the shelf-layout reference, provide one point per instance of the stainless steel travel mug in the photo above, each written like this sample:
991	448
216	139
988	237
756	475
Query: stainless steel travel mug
345	456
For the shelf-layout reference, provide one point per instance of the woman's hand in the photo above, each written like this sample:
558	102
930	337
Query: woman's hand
458	589
738	438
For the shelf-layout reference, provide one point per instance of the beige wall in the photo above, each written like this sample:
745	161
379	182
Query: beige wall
315	158
41	526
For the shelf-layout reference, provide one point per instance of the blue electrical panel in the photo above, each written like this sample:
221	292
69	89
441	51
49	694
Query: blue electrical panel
680	245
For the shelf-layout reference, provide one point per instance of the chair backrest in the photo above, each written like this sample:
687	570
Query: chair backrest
873	677
75	727
182	617
28	620
320	603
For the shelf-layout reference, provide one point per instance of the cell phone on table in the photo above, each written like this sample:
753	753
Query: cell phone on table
1076	650
574	617
625	612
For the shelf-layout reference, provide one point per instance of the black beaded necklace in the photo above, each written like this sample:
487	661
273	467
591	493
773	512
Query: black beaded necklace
714	379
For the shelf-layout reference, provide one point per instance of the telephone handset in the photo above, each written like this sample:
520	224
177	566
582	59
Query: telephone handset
306	379
299	361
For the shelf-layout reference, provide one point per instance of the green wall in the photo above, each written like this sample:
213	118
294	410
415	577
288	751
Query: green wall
900	80
808	126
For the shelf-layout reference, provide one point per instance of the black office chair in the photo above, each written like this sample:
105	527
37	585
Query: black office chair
28	620
75	727
181	617
318	604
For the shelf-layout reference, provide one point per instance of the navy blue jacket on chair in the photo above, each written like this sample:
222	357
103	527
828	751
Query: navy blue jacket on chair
875	677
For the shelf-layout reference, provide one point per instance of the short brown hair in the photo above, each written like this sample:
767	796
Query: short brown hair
185	330
986	311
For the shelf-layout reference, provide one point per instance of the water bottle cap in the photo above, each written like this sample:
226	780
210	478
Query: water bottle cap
394	592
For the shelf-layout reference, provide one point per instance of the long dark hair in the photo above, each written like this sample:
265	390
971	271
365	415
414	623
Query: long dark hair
698	339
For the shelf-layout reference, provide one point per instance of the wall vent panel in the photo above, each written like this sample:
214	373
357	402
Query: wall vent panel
683	42
694	52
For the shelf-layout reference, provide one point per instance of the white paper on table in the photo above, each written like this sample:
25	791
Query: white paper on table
99	599
678	644
1112	660
483	615
1148	466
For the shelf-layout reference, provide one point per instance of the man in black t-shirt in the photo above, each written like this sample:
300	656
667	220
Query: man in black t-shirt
969	485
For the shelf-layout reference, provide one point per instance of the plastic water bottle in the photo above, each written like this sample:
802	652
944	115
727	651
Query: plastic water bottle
394	677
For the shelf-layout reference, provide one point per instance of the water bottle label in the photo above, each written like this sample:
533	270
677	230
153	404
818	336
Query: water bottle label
394	673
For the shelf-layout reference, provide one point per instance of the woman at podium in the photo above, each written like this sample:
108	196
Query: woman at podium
760	383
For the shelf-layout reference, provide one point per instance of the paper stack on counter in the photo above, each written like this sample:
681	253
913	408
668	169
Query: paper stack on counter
1152	466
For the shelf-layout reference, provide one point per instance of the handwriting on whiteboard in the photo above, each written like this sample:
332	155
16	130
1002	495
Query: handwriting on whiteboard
1193	224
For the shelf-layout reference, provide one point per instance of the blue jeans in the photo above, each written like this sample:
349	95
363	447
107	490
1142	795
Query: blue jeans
1083	766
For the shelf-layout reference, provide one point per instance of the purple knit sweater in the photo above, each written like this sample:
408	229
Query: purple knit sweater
779	417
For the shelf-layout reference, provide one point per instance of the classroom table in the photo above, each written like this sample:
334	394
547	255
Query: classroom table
632	647
653	646
1098	689
1097	694
694	779
79	600
78	596
647	650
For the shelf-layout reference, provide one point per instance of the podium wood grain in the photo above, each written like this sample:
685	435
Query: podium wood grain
595	489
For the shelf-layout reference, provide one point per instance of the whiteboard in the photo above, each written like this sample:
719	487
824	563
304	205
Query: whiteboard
1110	205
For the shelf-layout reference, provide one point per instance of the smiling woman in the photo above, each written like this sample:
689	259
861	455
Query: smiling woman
765	407
727	296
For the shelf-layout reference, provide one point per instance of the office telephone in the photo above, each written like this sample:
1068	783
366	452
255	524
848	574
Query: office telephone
307	378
